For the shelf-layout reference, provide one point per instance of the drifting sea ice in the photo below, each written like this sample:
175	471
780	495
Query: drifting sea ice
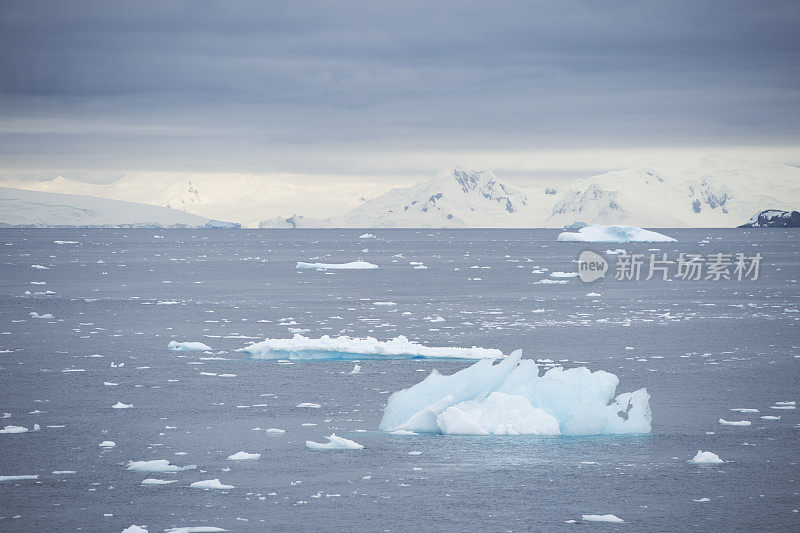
349	348
614	519
153	481
334	443
213	484
600	233
157	465
19	478
511	398
187	346
353	265
14	429
707	458
734	423
244	456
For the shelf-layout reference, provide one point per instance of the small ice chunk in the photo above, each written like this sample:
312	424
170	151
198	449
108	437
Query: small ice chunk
37	315
120	405
135	529
356	369
334	443
244	456
614	519
157	465
309	405
707	458
702	500
176	346
19	478
734	423
108	444
153	481
212	484
14	429
366	236
274	431
353	265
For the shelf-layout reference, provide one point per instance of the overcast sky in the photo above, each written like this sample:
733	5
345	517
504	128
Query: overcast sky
380	89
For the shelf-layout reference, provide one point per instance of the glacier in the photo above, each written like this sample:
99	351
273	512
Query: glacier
351	348
511	398
614	233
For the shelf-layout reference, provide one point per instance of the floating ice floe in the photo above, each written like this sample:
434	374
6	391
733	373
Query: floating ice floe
334	443
366	236
195	529
212	484
108	444
135	529
510	398
187	346
353	265
600	233
356	369
34	314
614	519
14	429
309	405
734	423
349	348
244	456
120	405
19	478
157	465
275	431
153	481
706	458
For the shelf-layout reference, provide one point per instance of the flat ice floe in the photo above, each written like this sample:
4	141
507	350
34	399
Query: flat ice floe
14	429
600	233
213	484
157	465
187	346
614	519
350	348
510	398
19	478
353	265
334	443
734	422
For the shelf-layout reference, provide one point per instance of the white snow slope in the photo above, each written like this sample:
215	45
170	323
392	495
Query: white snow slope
32	208
712	192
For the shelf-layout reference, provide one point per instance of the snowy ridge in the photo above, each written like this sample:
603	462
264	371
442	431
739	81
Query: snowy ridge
41	209
348	348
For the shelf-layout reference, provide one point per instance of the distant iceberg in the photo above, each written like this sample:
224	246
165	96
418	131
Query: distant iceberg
510	398
353	265
598	233
350	348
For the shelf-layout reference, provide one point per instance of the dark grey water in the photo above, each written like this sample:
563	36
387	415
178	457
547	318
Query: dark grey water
700	347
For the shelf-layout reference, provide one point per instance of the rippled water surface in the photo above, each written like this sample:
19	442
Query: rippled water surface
701	348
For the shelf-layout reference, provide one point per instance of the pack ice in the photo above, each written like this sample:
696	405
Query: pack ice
349	348
599	233
510	398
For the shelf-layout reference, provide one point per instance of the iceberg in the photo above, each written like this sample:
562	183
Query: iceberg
334	443
353	265
599	233
350	348
511	398
244	456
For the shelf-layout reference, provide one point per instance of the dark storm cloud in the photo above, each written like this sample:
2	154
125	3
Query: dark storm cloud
88	83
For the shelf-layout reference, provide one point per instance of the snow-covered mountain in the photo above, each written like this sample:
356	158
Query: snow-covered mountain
43	209
457	198
713	192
